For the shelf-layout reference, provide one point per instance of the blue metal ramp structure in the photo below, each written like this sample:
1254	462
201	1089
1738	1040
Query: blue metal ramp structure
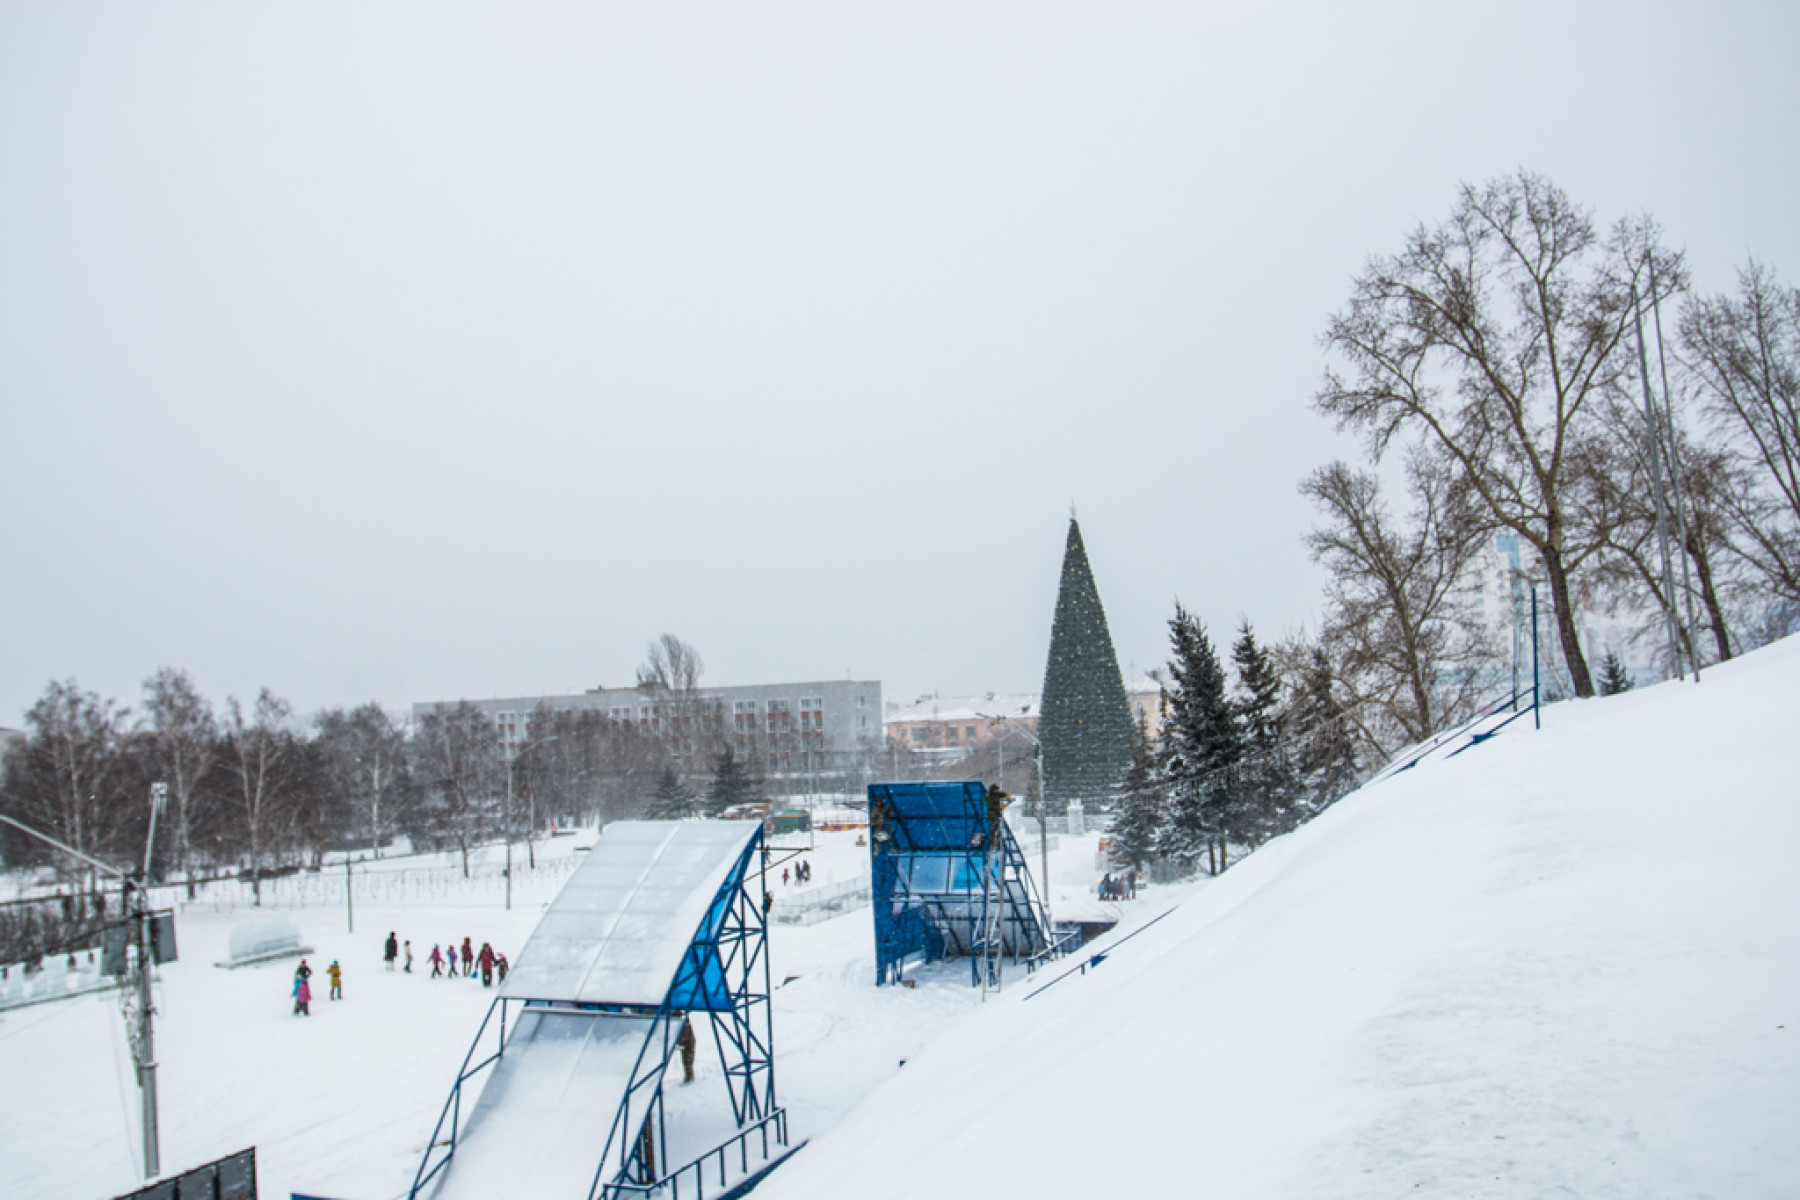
948	880
663	922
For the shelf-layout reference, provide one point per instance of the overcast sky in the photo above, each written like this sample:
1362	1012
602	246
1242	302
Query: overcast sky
416	351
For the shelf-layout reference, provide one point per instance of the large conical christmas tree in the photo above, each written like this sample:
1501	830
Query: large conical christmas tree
1085	722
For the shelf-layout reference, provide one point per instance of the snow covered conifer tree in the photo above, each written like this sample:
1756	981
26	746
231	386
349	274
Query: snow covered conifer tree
1143	807
1614	676
1201	743
1085	721
1264	804
732	783
671	801
1321	730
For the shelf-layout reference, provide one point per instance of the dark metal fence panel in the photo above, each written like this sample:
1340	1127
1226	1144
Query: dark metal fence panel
230	1178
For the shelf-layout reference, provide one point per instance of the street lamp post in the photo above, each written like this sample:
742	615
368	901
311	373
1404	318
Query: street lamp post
1043	815
510	764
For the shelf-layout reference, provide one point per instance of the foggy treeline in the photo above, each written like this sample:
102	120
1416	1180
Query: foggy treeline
252	789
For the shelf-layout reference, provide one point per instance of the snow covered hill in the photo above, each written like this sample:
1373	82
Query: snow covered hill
1566	963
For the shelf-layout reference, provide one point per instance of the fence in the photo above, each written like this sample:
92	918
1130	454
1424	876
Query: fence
718	1158
230	1178
325	888
54	980
821	903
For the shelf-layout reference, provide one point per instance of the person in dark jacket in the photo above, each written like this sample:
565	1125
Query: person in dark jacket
688	1045
486	962
391	950
468	953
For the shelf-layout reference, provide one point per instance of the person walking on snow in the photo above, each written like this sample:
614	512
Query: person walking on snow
436	960
500	966
302	993
337	980
685	1040
391	950
487	965
468	958
409	956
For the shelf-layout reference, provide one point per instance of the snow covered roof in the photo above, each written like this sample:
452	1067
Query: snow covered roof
987	707
617	931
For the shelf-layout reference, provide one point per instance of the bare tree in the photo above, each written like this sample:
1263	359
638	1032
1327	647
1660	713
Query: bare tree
1617	499
363	753
65	778
687	722
181	727
1399	631
261	762
1744	352
1489	337
457	760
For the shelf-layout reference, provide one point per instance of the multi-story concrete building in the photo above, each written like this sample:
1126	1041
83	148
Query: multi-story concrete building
959	723
823	732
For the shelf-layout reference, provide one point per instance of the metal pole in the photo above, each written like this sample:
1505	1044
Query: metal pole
1662	514
1687	579
146	1041
1044	839
159	794
509	803
66	849
1537	721
349	903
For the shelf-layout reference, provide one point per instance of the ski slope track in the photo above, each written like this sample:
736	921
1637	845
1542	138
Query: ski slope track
1566	963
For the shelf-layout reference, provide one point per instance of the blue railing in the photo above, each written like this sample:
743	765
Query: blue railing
775	1122
452	1110
1100	956
1439	740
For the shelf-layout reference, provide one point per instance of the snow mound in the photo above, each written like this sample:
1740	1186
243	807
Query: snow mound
1564	963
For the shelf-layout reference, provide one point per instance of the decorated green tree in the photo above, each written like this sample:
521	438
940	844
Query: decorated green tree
1085	723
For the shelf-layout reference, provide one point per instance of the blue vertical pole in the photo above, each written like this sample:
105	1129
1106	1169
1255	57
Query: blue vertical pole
1536	719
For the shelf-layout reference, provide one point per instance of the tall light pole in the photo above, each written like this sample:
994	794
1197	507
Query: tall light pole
510	764
1006	728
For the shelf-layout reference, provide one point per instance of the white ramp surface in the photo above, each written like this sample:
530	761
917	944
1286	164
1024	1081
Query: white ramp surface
541	1122
617	931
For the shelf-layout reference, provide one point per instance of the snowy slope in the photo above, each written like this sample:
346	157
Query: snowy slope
341	1104
1564	964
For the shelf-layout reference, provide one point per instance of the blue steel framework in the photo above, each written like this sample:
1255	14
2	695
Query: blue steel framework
725	973
948	879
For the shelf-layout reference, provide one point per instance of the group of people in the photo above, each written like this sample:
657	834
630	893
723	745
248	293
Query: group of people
443	959
1122	886
490	962
303	986
802	872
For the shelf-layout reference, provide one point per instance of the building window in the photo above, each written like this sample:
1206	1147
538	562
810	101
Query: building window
919	734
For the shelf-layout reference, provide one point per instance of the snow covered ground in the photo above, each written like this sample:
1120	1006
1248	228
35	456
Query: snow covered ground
340	1104
1566	963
